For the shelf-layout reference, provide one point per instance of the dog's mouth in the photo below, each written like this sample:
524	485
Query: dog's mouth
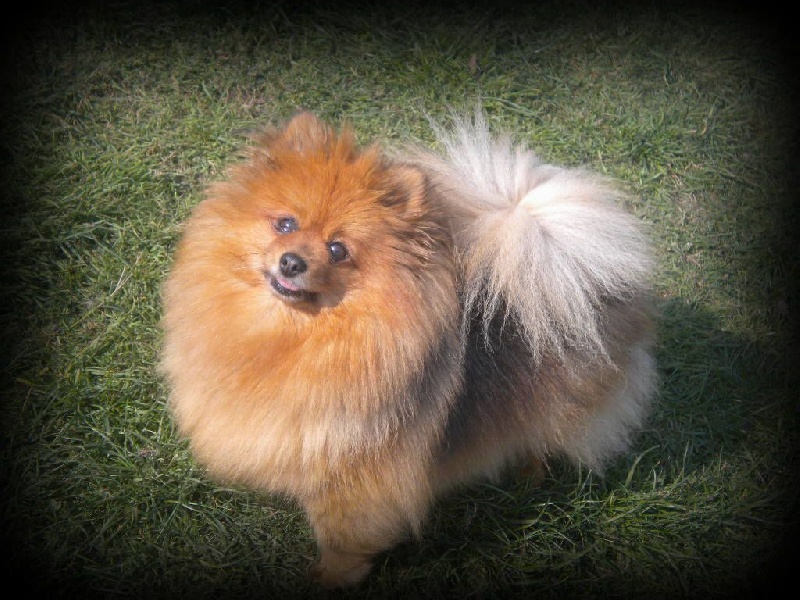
290	290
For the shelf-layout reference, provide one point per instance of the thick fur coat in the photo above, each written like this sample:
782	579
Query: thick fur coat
363	333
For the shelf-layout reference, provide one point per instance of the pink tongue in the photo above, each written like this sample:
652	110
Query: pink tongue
288	285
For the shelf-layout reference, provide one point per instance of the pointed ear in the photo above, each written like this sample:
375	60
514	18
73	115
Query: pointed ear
306	131
406	190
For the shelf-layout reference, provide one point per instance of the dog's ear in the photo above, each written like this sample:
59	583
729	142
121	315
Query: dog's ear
305	131
406	188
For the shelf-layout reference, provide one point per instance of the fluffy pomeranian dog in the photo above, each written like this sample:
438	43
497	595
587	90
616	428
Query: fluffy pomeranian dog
365	332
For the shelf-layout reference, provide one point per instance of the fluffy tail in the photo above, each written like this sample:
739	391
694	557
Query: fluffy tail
545	245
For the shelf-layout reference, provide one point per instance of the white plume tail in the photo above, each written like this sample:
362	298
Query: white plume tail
547	246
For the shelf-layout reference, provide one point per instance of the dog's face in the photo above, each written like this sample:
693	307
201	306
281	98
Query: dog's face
308	265
310	221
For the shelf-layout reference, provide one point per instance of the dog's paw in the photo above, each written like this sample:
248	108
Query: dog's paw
338	570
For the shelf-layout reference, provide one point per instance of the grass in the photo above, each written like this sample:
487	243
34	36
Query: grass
117	116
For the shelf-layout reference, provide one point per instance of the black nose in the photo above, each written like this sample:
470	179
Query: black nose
292	264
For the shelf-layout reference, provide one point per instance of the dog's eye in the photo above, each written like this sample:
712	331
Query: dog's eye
286	225
338	251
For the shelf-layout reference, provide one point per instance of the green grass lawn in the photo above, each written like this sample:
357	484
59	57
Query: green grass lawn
114	119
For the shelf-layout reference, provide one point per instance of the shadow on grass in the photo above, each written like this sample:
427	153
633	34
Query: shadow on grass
703	505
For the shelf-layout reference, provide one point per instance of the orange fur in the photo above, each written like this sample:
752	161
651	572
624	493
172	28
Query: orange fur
315	345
